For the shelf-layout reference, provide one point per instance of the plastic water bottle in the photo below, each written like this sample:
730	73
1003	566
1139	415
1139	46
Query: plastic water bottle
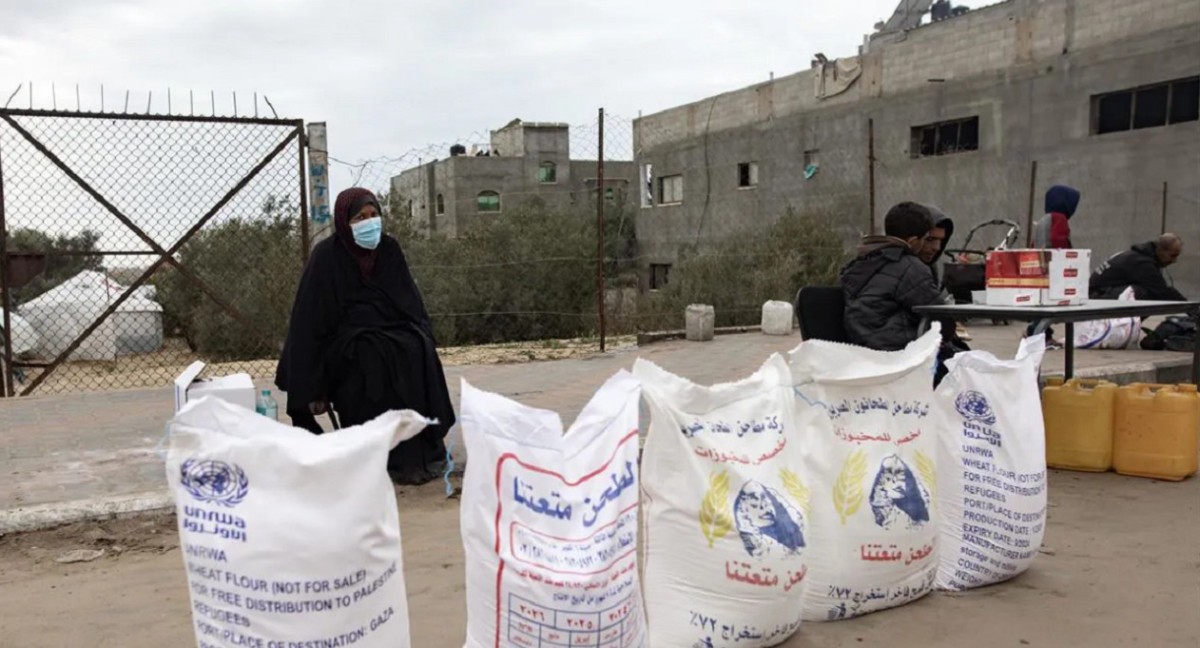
267	406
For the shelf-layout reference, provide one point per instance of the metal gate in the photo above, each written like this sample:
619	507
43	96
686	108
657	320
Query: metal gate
133	245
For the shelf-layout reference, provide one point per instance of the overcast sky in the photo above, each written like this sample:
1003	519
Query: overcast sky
392	76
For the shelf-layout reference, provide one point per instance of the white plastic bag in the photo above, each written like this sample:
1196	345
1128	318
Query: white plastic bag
868	429
288	538
550	522
725	510
992	467
1117	333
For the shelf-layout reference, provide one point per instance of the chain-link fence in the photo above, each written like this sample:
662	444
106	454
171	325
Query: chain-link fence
501	232
500	228
134	245
512	234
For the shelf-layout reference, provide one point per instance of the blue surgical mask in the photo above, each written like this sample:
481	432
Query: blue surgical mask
367	233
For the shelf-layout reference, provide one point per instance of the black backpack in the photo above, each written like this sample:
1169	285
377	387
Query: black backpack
1176	333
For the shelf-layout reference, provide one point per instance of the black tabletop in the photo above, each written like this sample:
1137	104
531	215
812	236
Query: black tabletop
1092	310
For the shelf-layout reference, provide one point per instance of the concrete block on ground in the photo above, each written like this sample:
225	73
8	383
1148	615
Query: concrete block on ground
777	318
700	322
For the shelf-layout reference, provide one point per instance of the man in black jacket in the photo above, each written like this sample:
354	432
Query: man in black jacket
1141	267
887	279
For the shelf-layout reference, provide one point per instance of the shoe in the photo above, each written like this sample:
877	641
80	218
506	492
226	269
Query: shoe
961	332
1054	345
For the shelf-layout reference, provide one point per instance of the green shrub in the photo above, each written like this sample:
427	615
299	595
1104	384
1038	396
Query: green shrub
525	274
253	266
746	269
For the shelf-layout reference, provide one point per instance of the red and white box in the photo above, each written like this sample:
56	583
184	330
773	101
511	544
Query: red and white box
1038	277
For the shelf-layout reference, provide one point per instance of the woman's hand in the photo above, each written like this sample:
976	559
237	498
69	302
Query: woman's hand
318	407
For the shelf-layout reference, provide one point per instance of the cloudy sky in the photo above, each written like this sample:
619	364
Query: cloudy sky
397	75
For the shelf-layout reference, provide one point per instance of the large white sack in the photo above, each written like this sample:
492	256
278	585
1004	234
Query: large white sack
868	431
725	510
991	467
1115	333
289	539
550	522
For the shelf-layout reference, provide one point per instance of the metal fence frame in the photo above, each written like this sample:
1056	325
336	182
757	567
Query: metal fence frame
165	255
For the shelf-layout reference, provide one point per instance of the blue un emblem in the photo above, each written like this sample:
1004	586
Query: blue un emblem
214	482
974	407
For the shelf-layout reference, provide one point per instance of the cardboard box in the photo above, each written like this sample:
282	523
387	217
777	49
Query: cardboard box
237	388
1038	277
1025	297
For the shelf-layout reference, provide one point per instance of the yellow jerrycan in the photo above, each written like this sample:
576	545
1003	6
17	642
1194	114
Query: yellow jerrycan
1079	423
1157	432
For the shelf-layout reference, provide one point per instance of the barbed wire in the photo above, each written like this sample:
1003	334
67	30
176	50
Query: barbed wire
174	101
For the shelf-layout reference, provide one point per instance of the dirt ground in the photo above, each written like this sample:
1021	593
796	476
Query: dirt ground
1120	567
159	369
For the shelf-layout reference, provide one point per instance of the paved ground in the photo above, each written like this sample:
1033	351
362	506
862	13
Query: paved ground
56	450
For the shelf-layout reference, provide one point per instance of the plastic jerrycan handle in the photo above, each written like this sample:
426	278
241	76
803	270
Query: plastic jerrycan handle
1086	383
1143	389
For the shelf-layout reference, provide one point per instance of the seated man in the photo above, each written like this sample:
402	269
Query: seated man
936	242
887	279
1141	267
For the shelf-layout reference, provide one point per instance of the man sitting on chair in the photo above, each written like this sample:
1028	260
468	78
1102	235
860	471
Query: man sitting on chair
887	280
1140	267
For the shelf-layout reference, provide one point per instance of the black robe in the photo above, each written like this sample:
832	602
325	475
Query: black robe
367	347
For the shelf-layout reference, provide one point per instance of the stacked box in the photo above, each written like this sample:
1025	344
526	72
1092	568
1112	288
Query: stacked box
1038	277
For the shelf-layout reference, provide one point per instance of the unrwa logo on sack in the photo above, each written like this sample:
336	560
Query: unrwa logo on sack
214	482
974	406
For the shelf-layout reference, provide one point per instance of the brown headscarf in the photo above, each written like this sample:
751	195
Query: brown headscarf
349	203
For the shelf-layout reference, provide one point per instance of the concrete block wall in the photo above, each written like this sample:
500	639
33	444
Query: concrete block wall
1033	100
988	40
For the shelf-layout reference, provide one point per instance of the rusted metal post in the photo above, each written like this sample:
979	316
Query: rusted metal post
318	177
301	143
1032	203
871	172
6	379
600	229
1163	227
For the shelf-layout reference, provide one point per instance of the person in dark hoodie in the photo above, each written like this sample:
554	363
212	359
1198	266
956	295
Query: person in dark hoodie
887	280
1141	267
936	242
360	340
1053	232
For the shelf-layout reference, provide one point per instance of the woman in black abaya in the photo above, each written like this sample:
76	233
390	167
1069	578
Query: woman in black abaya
360	339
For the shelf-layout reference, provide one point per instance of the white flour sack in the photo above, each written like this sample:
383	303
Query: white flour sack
992	467
726	510
290	540
550	522
868	429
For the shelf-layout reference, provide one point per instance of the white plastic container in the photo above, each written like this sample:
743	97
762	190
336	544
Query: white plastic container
777	318
700	321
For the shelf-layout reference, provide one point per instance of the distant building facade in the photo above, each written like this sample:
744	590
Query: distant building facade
526	161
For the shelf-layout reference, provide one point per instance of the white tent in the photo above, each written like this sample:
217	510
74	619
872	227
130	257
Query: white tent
61	314
24	338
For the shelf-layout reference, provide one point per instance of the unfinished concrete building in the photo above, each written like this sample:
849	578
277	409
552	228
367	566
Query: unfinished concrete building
1103	95
526	161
